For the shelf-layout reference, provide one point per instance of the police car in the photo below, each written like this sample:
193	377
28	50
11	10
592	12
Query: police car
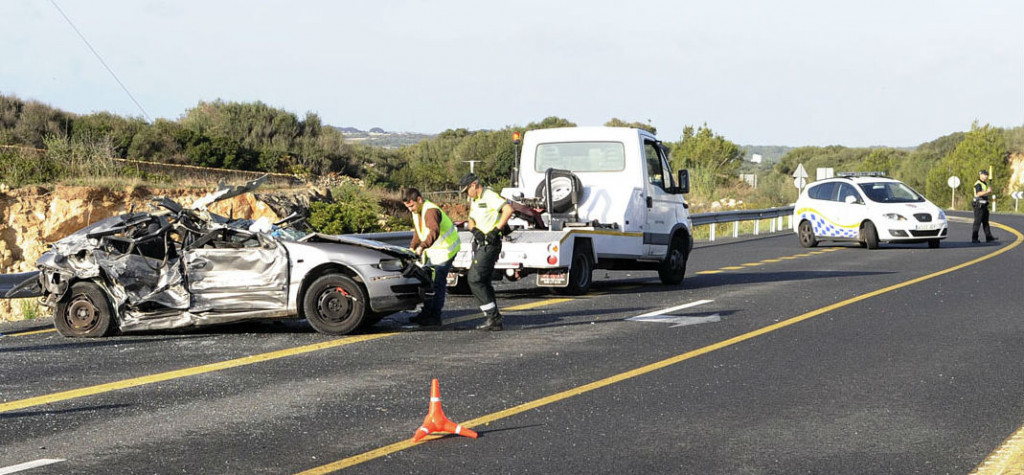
867	208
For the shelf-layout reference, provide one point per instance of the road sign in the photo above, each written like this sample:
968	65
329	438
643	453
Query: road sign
953	182
1017	195
800	177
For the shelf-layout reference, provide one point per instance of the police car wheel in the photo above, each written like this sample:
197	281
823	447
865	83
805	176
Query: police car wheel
806	234
869	235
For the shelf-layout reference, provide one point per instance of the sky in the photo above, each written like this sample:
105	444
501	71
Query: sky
782	72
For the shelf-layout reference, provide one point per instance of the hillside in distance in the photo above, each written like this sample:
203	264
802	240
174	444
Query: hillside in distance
378	137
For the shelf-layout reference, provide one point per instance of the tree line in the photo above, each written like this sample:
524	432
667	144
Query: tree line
258	137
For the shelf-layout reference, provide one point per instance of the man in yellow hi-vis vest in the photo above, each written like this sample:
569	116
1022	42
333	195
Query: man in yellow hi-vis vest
488	216
436	241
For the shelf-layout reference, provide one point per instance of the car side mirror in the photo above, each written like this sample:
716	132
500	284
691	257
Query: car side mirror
683	186
850	199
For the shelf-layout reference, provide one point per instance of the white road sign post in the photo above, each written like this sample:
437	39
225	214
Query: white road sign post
800	177
953	182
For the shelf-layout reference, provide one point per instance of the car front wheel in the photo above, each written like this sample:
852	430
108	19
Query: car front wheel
869	235
806	234
84	312
334	304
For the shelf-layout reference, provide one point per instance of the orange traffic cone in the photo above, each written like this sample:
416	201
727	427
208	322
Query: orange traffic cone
436	421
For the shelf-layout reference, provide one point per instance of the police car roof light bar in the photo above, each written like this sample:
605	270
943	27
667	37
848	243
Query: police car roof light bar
851	174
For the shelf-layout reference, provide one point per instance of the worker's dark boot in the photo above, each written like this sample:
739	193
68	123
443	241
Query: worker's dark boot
493	323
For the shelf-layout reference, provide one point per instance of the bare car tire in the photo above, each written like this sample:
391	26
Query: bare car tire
806	234
84	312
870	235
562	189
673	268
334	304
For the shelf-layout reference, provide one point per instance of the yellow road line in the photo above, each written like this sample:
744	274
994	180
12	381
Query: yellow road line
1008	459
31	332
487	419
542	303
208	368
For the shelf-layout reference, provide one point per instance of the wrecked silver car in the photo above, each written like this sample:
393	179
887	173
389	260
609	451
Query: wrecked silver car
178	267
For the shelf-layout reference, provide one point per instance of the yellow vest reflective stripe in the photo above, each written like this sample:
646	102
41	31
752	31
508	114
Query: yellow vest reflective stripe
446	246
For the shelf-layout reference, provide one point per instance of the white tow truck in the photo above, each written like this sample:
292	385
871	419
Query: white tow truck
590	198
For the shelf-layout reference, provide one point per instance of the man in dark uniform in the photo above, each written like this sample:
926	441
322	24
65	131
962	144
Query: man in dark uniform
982	195
488	215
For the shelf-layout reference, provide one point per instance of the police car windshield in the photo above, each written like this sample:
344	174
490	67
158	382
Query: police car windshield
890	192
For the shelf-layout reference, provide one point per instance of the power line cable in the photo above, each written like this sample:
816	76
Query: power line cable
104	63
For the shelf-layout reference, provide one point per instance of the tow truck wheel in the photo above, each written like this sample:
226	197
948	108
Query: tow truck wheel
334	304
806	234
84	312
581	274
673	268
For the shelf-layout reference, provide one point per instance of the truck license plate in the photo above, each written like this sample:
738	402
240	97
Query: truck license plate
557	278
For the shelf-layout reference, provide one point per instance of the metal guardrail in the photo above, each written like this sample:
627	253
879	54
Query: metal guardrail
776	215
402	238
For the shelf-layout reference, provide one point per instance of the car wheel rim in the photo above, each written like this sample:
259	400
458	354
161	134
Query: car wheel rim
81	314
805	233
334	304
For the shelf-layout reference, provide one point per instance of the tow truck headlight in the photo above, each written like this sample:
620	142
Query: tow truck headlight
391	265
894	217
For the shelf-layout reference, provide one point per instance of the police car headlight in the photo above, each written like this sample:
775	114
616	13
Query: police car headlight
894	217
391	265
942	215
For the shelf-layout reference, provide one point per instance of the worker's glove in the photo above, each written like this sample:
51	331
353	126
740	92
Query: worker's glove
478	235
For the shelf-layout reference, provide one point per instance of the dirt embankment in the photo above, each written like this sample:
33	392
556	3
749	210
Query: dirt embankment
32	218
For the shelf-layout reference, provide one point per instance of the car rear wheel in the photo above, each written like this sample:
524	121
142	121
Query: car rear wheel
334	304
869	235
84	312
806	235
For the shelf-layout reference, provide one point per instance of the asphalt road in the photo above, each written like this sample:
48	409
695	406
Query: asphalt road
770	359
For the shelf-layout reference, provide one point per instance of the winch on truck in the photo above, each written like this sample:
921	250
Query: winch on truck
590	198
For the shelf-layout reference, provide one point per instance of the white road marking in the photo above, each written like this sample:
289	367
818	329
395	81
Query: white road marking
670	309
679	321
28	465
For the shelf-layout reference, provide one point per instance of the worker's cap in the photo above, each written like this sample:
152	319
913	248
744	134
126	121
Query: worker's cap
467	179
983	172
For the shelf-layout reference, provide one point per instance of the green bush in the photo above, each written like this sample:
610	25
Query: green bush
354	210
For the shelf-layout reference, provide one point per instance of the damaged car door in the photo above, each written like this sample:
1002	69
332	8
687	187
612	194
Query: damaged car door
233	270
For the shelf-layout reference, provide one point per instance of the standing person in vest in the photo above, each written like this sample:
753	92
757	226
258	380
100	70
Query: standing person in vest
488	216
436	241
982	195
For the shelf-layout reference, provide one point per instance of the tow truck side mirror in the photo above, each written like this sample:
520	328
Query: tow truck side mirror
683	186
